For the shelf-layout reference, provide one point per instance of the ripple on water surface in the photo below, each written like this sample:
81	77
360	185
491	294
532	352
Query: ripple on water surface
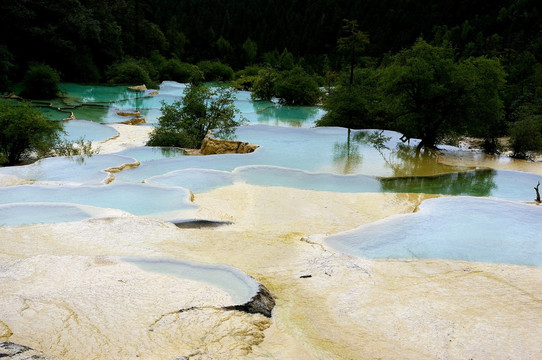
459	228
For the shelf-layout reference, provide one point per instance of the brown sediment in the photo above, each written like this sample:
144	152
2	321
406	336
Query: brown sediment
71	117
128	113
110	177
122	167
138	88
134	121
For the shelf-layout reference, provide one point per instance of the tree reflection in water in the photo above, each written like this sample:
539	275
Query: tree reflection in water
472	183
407	160
294	116
347	154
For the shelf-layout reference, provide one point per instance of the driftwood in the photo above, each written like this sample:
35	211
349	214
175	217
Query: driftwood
537	193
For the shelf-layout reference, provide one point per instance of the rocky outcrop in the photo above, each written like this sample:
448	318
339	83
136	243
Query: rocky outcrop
138	88
211	146
261	303
154	93
200	224
134	121
13	351
71	117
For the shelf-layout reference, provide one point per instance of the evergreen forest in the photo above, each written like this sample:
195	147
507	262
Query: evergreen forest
371	56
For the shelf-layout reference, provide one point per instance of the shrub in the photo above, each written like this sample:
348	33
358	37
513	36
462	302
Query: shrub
296	87
129	71
181	72
150	68
263	87
215	71
41	82
25	131
525	136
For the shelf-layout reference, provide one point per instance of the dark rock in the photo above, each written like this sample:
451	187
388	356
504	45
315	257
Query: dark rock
305	276
11	350
198	224
261	303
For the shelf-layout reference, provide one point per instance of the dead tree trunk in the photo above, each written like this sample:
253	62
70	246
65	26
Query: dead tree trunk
537	193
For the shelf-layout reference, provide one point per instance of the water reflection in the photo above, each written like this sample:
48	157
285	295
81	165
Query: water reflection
404	159
347	154
293	116
473	183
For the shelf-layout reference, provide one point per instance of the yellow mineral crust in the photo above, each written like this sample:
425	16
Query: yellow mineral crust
64	291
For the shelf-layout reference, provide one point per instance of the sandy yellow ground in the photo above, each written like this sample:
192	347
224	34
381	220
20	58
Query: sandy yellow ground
64	291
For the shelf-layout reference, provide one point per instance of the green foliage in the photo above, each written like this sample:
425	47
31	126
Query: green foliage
153	71
264	86
251	50
346	107
129	71
296	87
150	38
245	79
272	58
186	122
286	60
224	47
526	131
25	132
181	72
352	44
526	136
430	95
215	71
353	106
6	59
424	93
481	81
41	82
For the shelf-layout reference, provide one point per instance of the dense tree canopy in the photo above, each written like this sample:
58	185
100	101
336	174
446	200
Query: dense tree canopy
430	95
469	48
82	37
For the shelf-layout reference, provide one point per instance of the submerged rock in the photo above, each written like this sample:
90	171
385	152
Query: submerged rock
212	146
261	303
